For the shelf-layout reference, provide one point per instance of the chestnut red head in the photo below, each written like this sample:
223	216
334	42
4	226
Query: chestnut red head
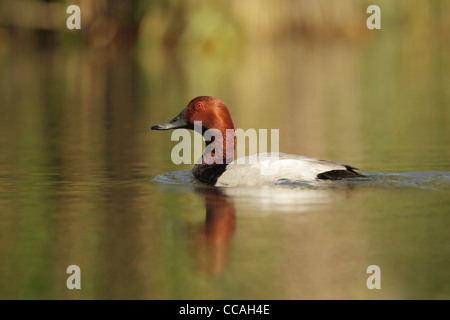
212	113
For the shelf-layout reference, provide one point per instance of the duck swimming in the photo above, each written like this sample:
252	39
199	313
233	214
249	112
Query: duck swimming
214	115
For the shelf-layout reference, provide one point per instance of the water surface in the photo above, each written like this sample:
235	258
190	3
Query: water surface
84	181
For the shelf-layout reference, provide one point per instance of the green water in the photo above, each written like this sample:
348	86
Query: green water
83	180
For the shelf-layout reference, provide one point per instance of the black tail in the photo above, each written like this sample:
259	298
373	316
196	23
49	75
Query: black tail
340	174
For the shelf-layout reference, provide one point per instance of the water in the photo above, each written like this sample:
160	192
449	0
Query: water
425	180
84	181
315	240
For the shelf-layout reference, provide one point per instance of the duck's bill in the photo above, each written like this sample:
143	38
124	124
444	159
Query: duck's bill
176	123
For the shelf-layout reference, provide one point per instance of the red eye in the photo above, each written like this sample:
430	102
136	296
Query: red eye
198	106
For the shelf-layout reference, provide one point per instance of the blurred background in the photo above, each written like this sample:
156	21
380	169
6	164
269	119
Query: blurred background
77	154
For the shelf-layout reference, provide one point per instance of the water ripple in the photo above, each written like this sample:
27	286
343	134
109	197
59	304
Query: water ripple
423	180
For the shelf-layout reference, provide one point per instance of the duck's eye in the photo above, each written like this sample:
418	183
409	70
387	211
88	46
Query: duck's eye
198	106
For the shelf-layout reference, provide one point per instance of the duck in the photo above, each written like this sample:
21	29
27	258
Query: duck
217	166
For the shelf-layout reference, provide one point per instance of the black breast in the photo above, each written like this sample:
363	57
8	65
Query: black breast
208	173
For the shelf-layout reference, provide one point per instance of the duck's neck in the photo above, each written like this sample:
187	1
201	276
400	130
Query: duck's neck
219	149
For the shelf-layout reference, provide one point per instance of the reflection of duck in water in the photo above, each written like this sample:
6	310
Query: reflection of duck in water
220	222
212	238
219	227
219	169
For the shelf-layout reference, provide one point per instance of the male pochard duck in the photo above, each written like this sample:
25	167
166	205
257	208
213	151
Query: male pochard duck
214	114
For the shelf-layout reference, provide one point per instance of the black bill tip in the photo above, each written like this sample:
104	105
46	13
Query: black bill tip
176	123
159	127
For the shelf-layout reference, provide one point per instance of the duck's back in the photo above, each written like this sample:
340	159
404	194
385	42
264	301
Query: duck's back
271	167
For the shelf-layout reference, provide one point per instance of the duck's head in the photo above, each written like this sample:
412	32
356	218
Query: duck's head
212	113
